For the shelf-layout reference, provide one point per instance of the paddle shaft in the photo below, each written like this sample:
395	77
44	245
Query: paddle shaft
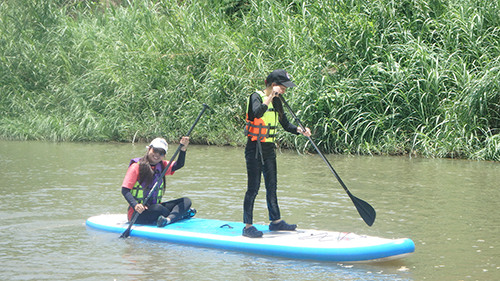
136	214
365	210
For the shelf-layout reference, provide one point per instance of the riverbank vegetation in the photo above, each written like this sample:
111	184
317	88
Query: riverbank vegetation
400	77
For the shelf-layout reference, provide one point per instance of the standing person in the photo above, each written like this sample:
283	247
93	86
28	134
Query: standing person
264	111
142	174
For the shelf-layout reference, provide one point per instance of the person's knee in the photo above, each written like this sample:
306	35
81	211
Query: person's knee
187	202
252	192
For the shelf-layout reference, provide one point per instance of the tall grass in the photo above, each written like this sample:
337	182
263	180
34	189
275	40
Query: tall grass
375	77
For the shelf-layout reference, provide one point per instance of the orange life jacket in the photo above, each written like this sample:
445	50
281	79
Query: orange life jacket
262	129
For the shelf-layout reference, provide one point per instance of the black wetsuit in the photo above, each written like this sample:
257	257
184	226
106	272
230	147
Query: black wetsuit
174	209
255	168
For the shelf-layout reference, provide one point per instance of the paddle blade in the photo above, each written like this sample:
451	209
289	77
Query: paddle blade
126	233
365	210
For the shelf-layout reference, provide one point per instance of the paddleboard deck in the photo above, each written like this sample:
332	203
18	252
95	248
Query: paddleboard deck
298	244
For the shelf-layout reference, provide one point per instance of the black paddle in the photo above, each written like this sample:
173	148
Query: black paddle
364	209
126	233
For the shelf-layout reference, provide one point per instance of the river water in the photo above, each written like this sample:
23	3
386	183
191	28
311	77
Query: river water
449	208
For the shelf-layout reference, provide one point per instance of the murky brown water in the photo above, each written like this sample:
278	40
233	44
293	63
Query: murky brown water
47	191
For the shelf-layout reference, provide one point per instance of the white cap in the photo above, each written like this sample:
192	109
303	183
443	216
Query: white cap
159	143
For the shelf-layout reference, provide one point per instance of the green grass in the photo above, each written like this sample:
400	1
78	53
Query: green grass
393	77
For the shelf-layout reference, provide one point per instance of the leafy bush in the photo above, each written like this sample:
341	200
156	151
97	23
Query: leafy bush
400	77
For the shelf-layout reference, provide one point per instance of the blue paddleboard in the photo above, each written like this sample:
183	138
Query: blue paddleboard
298	244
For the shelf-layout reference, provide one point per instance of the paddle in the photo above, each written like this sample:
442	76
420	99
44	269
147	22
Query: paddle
135	215
365	210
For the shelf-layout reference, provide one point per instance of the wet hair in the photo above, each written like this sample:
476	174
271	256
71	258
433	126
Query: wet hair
145	171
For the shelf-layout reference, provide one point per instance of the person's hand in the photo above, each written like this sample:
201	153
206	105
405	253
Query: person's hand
275	92
185	142
306	133
278	90
140	208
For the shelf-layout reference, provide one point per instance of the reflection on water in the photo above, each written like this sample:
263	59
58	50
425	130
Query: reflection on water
48	190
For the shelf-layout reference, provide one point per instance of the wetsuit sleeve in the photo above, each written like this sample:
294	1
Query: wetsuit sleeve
128	196
289	127
257	107
285	123
176	165
180	161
